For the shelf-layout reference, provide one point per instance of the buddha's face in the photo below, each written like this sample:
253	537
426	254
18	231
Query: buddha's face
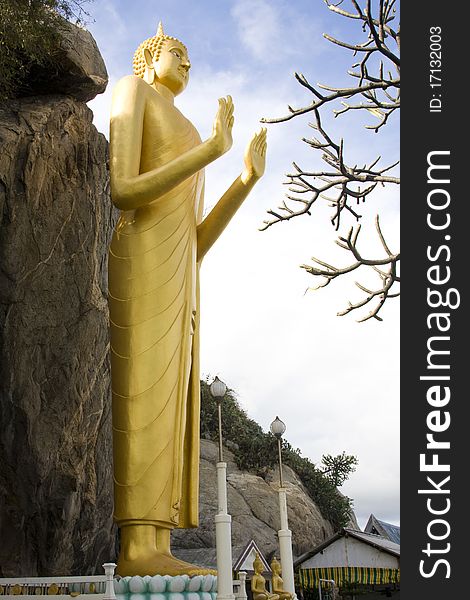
172	66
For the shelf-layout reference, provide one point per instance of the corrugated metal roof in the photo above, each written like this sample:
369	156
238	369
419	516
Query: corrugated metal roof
376	540
393	531
369	538
386	530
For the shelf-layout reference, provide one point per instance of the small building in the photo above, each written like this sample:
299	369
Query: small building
386	530
360	564
242	560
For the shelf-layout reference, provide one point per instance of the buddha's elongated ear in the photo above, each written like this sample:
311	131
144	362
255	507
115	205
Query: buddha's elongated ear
149	75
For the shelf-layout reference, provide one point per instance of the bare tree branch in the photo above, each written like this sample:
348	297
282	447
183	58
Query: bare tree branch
340	93
378	30
389	277
387	15
342	184
347	180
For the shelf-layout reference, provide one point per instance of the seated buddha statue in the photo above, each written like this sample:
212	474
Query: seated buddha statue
278	584
258	583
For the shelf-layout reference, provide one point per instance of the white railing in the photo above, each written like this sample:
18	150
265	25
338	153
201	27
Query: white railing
91	587
100	586
239	586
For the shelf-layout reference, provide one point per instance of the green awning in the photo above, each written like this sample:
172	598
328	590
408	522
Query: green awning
366	575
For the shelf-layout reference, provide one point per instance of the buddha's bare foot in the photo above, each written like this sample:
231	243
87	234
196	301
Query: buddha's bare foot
158	563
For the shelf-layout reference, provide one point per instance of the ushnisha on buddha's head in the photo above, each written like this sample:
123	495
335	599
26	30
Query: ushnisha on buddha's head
163	59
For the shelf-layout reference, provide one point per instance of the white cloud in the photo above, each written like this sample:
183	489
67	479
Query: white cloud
115	23
258	26
277	32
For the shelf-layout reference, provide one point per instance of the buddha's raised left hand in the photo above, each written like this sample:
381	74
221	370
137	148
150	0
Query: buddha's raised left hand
255	157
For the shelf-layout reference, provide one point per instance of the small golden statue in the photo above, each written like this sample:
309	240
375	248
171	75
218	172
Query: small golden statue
17	590
278	584
258	583
157	162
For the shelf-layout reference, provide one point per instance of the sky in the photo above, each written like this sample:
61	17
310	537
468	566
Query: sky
273	340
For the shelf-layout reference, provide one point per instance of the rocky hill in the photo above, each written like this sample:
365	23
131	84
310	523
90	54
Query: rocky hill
56	220
254	505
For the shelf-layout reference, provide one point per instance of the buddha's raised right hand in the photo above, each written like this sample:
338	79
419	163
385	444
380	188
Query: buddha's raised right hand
221	138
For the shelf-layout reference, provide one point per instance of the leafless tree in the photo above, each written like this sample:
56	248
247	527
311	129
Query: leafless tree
343	185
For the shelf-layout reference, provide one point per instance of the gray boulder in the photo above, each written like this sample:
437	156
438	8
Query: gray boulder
254	505
80	72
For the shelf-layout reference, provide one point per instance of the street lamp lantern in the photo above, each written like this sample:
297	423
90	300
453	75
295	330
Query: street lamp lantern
278	428
218	390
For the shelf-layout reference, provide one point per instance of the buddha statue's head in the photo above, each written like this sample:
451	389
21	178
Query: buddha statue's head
163	59
275	566
258	565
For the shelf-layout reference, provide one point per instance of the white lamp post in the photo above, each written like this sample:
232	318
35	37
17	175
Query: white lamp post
223	521
284	534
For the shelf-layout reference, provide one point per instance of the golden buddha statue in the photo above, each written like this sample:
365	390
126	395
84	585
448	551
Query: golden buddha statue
157	181
278	584
258	583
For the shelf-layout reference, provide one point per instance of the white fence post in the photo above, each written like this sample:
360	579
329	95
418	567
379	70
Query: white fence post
242	595
109	572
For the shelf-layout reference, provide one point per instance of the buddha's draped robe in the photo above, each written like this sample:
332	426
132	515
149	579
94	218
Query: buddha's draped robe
154	314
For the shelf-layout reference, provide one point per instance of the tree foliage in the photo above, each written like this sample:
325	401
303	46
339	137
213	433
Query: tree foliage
338	468
342	182
256	451
29	34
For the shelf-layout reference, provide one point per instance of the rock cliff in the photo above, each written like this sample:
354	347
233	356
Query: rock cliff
55	225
